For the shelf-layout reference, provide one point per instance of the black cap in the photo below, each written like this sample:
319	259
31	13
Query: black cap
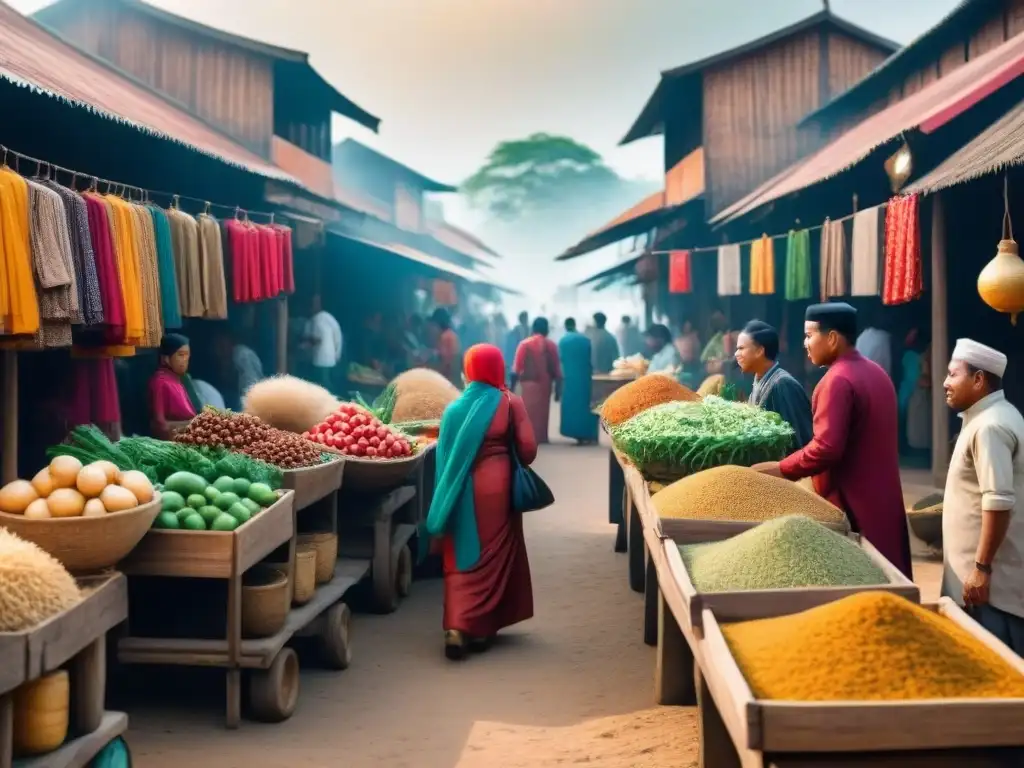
834	316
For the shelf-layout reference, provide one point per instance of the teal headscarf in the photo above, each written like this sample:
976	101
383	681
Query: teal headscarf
463	426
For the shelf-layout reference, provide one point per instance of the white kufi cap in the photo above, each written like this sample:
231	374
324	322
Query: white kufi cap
985	358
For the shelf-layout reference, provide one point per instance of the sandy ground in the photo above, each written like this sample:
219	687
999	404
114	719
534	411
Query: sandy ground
574	686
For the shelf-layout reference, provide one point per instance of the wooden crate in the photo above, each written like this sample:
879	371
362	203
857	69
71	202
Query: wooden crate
686	531
760	726
213	554
766	603
311	484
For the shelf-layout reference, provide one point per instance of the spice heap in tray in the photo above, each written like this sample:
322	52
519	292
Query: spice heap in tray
352	430
247	434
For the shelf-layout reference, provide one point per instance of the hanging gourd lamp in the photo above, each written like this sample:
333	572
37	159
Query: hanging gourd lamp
1001	282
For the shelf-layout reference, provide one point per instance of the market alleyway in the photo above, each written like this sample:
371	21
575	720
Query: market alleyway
572	686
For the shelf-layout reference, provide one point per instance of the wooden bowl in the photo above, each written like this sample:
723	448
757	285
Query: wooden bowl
380	475
41	714
84	544
927	524
325	545
266	600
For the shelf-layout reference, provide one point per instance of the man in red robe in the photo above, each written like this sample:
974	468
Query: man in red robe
853	457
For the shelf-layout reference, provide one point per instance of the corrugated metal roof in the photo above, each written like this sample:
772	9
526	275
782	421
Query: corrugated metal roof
632	221
649	122
34	57
928	109
617	272
413	254
998	146
461	241
351	151
358	201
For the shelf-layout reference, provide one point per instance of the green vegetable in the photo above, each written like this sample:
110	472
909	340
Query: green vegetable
88	444
185	483
692	436
166	520
224	522
171	501
251	505
194	522
196	500
224	484
240	512
209	514
239	465
184	512
241	486
262	494
211	494
225	500
160	458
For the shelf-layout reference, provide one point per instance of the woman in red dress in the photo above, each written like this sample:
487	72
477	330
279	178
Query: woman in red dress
537	370
487	584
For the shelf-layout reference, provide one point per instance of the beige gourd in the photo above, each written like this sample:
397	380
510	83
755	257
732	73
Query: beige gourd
41	714
1001	281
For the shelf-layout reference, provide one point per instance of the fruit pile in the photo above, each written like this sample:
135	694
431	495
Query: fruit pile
189	502
65	488
354	431
247	434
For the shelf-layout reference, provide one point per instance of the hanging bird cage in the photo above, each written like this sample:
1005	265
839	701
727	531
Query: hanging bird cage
1001	282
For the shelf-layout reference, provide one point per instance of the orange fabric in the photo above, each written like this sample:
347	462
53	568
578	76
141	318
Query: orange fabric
126	246
484	363
19	307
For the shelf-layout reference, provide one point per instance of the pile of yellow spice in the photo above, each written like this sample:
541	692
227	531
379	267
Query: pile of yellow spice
873	646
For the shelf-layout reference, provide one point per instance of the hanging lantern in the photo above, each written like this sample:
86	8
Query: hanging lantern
1001	282
899	166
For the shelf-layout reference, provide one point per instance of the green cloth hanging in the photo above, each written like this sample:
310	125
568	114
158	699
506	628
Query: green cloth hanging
798	265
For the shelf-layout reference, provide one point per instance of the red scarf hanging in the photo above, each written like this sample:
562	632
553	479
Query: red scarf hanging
903	279
679	277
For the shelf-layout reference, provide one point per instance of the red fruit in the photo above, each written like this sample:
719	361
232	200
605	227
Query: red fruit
363	442
371	451
389	438
382	432
320	438
375	441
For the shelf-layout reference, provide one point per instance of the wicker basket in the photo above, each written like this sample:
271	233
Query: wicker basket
926	524
380	475
85	544
266	599
305	574
326	547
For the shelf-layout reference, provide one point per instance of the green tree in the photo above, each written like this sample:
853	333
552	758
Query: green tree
541	174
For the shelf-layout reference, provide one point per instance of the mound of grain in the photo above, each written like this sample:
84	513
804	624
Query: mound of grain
33	585
712	385
289	403
741	493
421	395
793	551
872	646
646	392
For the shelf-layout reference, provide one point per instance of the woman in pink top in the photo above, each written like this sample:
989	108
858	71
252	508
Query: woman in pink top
172	398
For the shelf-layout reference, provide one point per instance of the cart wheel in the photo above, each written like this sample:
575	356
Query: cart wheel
274	692
335	648
403	572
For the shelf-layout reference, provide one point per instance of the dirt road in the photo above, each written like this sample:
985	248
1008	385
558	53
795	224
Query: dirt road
571	687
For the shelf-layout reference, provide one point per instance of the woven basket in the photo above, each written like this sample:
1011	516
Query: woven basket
85	544
266	598
926	524
41	714
305	574
326	547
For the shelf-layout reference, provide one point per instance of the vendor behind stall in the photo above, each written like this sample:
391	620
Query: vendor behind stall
172	397
663	354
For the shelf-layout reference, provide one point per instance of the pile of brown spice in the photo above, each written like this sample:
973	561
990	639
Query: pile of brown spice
247	434
646	392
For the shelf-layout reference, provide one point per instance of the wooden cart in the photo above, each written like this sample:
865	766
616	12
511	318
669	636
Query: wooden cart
739	731
222	555
616	499
312	484
76	640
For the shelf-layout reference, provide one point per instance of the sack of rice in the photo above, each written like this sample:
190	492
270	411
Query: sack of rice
289	403
421	395
679	439
637	396
741	493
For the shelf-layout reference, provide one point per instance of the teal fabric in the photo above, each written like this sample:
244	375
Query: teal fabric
114	755
578	422
170	303
463	427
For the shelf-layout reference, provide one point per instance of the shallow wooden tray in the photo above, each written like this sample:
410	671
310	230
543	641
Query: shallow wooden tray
314	483
687	531
859	726
766	603
213	554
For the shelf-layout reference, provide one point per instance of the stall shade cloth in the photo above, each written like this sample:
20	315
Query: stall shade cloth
762	266
903	279
864	260
729	274
833	259
798	265
679	278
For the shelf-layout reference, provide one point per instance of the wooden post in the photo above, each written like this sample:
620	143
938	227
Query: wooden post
282	335
651	597
673	668
940	344
715	743
9	393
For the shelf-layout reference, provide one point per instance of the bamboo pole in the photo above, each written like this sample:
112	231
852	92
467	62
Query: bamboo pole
282	335
940	344
9	392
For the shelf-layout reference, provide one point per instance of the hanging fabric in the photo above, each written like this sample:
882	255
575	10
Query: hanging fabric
729	272
170	302
798	265
833	260
287	258
680	279
101	237
18	302
83	258
126	248
185	239
903	279
762	266
211	258
54	268
149	277
865	252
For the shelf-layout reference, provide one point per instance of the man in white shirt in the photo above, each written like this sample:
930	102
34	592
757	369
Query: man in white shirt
876	345
324	339
982	532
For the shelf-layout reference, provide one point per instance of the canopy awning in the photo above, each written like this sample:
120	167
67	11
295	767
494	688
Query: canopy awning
615	273
998	146
927	110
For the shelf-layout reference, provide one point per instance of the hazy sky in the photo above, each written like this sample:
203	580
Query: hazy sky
450	78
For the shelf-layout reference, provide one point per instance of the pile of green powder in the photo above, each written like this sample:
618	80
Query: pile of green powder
790	551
